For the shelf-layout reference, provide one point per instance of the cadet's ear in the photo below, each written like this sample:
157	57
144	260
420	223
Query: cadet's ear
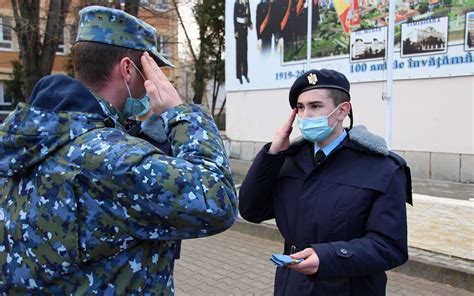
344	109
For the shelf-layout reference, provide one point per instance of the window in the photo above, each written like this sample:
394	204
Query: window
6	32
72	34
60	49
164	46
4	100
162	5
159	5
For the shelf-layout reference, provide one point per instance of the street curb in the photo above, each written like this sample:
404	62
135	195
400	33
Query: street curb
434	271
435	267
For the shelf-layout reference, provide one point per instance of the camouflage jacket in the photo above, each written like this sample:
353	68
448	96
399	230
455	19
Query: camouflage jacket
89	209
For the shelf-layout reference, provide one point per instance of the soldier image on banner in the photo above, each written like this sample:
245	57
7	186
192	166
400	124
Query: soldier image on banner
263	25
294	26
242	22
315	17
267	21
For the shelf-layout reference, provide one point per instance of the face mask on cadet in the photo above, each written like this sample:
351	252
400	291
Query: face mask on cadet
316	129
136	107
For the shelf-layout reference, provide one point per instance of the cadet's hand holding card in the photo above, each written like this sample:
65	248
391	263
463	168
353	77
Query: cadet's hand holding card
284	260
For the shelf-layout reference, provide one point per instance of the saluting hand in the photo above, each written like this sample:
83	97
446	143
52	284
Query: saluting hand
281	140
162	93
310	264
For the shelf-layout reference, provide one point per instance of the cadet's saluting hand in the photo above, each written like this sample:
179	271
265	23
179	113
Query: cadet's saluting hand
281	140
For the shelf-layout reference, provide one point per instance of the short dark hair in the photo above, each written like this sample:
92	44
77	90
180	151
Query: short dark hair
338	96
93	62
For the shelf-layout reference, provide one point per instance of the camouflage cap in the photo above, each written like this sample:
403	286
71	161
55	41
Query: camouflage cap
115	27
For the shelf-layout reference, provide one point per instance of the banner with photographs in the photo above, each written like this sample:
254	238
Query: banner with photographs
266	40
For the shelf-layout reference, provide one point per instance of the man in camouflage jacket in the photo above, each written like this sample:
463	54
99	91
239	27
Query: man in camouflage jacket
89	209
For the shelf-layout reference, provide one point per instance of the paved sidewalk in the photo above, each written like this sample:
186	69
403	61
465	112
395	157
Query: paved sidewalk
442	225
233	263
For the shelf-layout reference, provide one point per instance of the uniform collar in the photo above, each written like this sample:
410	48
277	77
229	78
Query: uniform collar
331	146
132	127
110	110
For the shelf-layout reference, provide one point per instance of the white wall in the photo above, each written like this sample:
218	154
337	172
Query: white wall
429	115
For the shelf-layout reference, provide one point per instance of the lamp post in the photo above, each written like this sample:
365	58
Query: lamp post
388	94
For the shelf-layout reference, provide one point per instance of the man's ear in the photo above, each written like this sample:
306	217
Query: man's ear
344	109
124	69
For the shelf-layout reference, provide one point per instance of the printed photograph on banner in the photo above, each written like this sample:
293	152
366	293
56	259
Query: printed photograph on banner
368	45
267	27
266	42
334	20
242	25
293	25
429	36
469	37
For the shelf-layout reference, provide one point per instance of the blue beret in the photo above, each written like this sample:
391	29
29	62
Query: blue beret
115	27
313	79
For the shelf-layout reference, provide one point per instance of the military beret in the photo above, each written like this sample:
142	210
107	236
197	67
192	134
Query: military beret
313	79
116	27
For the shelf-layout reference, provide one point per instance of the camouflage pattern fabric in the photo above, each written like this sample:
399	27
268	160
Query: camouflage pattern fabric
116	27
89	209
2	182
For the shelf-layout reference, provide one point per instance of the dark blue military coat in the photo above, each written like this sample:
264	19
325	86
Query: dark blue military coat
350	209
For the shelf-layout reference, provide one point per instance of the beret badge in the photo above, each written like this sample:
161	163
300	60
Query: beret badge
312	79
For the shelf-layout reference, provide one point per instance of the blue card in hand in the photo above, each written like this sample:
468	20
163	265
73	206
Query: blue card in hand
283	260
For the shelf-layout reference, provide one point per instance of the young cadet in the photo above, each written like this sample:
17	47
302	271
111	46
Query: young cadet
338	196
88	208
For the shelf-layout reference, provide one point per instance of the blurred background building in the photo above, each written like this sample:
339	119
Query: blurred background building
158	13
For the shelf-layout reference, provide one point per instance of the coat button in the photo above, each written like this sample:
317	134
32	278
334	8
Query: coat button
343	251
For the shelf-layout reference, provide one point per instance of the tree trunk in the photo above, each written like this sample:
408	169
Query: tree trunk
200	74
26	20
217	81
38	56
199	81
132	6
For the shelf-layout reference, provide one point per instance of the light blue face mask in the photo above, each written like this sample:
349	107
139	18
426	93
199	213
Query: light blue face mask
136	107
316	129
